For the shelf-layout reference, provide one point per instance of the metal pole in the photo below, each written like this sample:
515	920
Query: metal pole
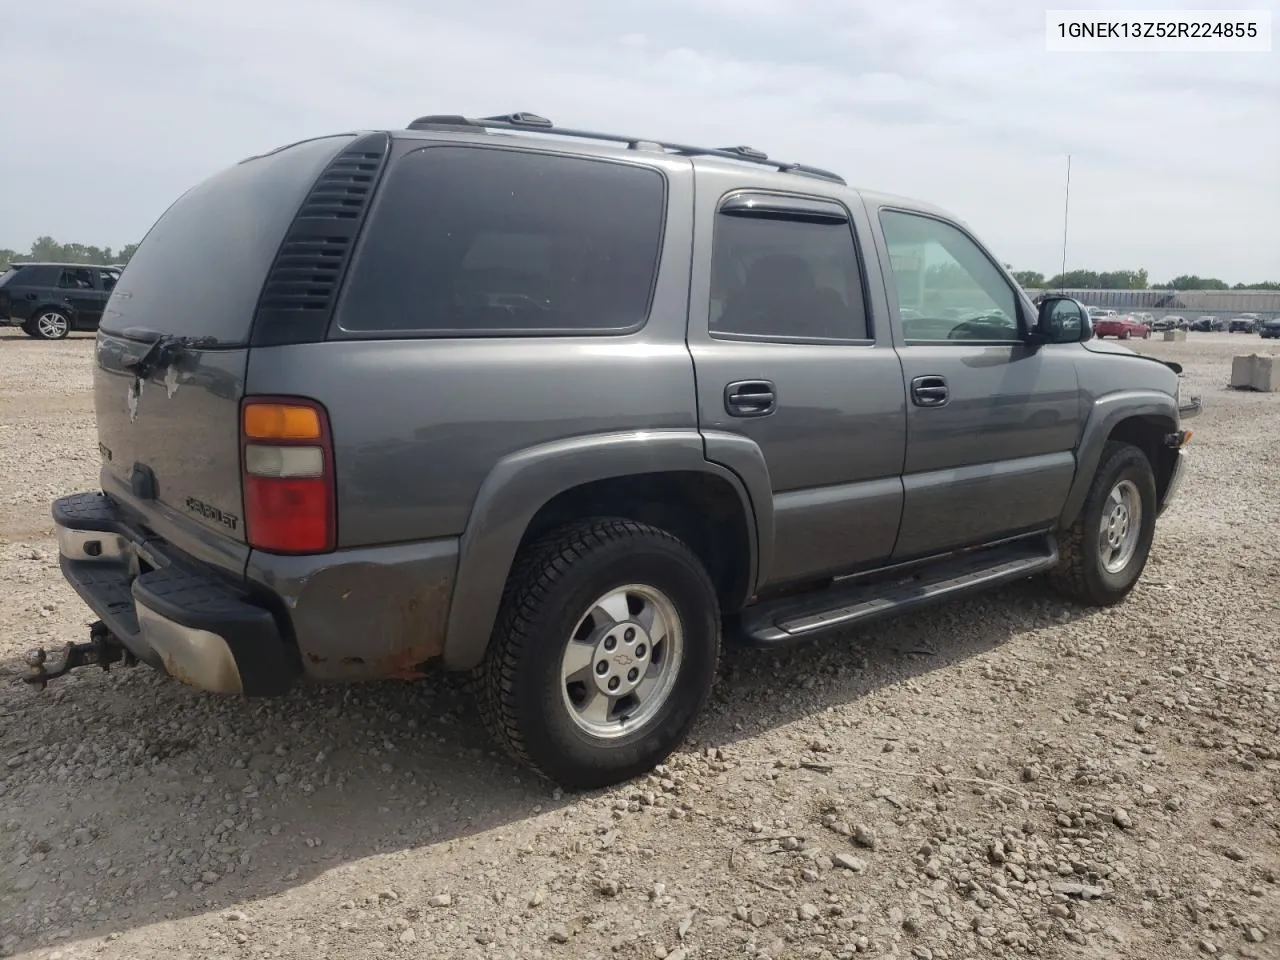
1066	207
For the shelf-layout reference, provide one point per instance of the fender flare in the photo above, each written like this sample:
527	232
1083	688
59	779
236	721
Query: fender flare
519	486
1107	413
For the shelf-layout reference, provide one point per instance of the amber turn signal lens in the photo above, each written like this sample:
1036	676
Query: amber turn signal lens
280	421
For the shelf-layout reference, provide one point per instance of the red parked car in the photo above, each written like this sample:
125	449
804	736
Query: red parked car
1122	327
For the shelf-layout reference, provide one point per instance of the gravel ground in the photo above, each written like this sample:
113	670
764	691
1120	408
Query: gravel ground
1001	777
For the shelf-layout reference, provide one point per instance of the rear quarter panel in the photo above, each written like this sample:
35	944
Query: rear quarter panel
418	423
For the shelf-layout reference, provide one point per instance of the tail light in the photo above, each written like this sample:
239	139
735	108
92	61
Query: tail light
287	458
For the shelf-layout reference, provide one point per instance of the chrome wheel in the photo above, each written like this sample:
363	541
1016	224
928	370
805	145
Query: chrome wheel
622	660
52	326
1121	526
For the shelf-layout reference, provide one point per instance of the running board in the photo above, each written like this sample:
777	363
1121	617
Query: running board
796	619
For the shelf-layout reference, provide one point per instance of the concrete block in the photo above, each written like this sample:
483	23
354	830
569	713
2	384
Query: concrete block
1175	336
1254	372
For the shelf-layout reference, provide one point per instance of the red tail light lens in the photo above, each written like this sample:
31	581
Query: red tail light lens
287	459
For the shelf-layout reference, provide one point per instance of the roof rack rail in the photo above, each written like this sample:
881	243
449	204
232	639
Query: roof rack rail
534	122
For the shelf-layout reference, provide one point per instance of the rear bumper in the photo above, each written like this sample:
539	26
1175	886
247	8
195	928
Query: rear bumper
169	610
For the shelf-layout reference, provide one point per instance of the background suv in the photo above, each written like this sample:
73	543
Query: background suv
49	300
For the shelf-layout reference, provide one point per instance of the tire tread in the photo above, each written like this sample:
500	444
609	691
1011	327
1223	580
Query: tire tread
537	571
1070	577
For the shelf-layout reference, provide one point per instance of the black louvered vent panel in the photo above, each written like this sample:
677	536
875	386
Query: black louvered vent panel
298	297
343	189
305	274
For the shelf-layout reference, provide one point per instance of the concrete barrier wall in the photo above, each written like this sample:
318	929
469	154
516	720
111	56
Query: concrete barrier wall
1256	372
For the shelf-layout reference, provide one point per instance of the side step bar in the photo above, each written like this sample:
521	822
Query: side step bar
793	620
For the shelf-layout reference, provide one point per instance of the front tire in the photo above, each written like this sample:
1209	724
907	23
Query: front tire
50	325
604	652
1104	552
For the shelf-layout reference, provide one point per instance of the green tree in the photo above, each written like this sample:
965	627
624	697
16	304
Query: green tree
1093	280
48	249
1123	280
1075	279
1029	279
1193	282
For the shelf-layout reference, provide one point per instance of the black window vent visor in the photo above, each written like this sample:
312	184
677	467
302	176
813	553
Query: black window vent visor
298	297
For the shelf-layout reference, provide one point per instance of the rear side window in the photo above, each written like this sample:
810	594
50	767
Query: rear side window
200	270
780	276
76	278
22	276
477	241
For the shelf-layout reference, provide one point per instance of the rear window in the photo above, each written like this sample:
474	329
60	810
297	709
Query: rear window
30	276
199	271
480	241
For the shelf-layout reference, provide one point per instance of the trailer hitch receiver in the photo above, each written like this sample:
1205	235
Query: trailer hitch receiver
102	649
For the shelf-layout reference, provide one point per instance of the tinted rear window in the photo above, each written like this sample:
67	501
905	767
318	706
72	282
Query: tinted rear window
30	276
200	269
470	240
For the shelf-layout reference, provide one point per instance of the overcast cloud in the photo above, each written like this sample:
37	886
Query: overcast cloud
114	108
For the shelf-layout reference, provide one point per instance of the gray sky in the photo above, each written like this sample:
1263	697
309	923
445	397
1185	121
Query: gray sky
1176	157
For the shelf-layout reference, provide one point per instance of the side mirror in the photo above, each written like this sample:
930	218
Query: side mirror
1063	320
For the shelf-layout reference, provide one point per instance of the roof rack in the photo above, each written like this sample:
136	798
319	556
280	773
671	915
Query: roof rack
532	122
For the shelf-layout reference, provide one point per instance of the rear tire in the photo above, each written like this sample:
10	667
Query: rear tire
590	696
1104	552
50	325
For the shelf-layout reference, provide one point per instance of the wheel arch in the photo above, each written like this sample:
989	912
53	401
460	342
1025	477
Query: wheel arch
1140	417
658	477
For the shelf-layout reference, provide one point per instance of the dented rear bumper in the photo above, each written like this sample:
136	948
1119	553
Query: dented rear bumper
359	614
167	609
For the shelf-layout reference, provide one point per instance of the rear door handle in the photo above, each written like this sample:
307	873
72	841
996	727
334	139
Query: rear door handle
750	398
930	391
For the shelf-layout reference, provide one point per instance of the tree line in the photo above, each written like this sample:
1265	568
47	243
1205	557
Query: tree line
49	250
1128	280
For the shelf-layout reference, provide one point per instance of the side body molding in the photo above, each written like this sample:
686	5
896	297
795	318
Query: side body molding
520	484
1108	411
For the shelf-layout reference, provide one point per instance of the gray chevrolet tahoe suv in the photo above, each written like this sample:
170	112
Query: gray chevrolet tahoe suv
562	410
